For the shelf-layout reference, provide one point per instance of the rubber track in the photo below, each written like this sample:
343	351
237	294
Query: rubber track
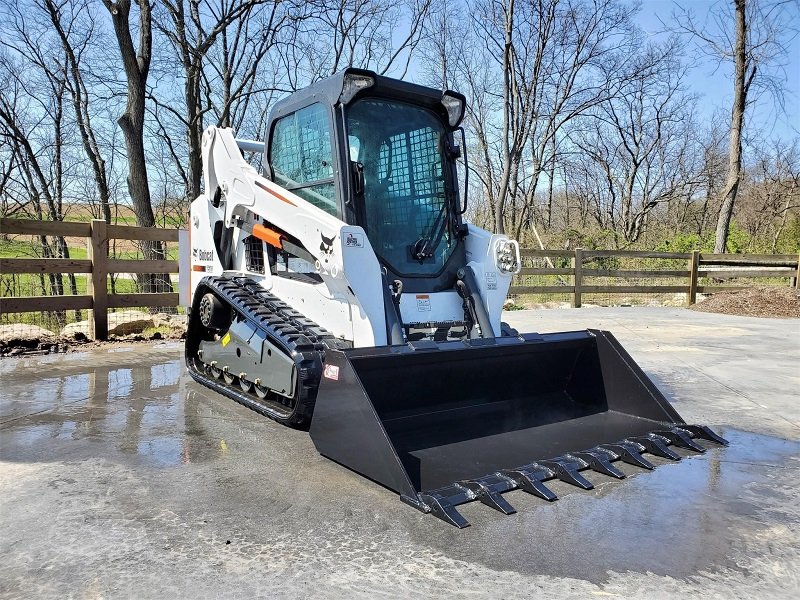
296	335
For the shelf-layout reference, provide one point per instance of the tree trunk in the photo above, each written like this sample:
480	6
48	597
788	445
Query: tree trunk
137	67
737	123
194	133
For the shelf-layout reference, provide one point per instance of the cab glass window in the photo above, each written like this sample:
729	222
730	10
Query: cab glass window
301	156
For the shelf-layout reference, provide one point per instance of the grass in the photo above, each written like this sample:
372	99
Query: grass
122	249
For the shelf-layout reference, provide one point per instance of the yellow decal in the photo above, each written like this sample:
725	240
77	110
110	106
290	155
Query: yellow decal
225	339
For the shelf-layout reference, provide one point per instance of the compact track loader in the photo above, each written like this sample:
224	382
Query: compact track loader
340	289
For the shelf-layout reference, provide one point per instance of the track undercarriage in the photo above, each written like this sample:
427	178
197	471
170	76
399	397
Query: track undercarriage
252	347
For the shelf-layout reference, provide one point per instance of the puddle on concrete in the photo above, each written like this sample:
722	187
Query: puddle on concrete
680	519
683	518
141	411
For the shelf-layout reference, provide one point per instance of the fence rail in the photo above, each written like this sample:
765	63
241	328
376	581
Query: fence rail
699	265
98	266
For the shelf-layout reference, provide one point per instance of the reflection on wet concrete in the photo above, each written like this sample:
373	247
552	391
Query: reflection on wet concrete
136	423
140	410
678	520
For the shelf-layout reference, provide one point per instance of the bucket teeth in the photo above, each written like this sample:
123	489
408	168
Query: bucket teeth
443	509
600	462
487	496
530	480
656	445
567	470
703	432
489	489
630	453
681	439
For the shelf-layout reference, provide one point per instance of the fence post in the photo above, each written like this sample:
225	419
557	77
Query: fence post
97	282
694	265
577	265
796	282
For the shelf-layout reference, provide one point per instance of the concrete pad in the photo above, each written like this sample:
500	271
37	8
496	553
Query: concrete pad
121	477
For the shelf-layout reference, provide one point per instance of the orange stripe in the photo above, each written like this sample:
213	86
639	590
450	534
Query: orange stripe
198	268
273	193
273	238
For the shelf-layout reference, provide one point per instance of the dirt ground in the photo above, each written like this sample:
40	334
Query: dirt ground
780	302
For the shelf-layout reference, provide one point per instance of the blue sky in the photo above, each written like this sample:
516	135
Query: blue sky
715	85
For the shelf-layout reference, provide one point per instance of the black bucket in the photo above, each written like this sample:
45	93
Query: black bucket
419	418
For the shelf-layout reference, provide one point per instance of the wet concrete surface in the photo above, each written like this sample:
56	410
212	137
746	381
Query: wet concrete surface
121	477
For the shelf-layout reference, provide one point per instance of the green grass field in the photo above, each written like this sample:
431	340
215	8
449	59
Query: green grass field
21	248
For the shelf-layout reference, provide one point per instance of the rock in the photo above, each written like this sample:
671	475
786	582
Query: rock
171	321
119	323
19	332
129	321
78	330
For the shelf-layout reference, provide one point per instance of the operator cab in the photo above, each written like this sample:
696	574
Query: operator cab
378	153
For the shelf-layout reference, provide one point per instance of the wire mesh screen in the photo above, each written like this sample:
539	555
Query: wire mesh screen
72	323
411	165
671	275
521	297
254	254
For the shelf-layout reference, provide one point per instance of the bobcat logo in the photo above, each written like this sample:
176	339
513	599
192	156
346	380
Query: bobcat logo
327	244
202	255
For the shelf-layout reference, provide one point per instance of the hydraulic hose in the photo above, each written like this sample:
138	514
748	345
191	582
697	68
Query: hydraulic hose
470	289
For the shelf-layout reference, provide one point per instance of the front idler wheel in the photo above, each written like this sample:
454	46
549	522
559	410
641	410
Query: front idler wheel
214	314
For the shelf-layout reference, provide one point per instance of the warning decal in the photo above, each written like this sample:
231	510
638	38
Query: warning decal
423	302
225	339
331	372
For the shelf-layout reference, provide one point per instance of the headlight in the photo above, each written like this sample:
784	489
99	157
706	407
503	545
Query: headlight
506	256
454	105
354	83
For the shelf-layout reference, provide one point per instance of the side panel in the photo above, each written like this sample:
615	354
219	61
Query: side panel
492	280
331	311
204	258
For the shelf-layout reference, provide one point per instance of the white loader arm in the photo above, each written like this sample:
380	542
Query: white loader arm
342	253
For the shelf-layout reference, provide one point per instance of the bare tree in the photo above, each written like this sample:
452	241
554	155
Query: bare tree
373	34
554	60
34	124
193	28
136	61
641	142
74	25
769	194
753	35
136	64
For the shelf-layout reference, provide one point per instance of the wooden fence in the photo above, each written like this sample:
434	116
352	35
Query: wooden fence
97	267
717	266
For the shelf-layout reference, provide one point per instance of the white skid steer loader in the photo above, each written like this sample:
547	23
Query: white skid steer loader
341	290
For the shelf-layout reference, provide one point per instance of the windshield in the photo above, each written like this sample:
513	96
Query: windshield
401	148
